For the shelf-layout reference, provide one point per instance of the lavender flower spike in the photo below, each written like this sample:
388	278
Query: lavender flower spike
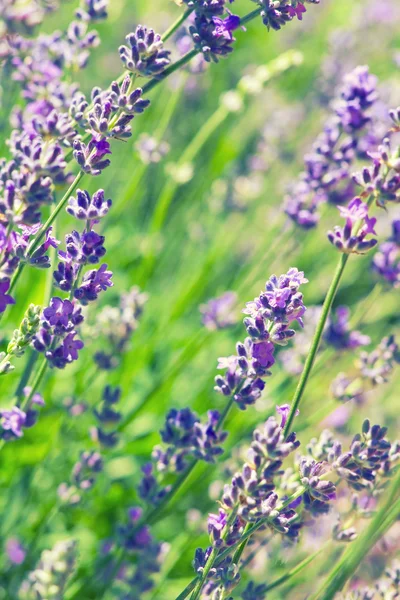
348	240
145	54
268	324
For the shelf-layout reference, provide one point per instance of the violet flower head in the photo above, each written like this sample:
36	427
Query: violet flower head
56	335
12	423
213	37
145	54
91	157
218	312
88	208
207	8
352	237
58	312
92	10
15	551
268	324
284	411
386	262
276	14
338	333
327	176
185	438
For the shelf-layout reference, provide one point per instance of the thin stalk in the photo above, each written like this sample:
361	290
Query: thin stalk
316	341
181	19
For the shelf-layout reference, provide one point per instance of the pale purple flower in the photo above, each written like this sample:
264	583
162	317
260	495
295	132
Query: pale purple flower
12	421
15	551
36	398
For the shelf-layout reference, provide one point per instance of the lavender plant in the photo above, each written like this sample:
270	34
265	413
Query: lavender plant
85	476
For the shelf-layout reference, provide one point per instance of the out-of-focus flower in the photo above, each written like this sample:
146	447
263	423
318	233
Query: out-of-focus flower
218	312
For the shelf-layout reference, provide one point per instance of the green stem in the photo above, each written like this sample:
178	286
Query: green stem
252	15
169	70
171	30
316	341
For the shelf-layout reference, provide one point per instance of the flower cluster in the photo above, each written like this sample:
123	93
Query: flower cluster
145	54
186	438
275	14
253	497
115	325
51	576
86	248
386	261
83	477
327	175
372	369
268	324
382	179
135	577
252	490
56	337
352	237
370	459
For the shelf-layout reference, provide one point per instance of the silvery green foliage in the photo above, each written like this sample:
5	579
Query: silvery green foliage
21	338
49	580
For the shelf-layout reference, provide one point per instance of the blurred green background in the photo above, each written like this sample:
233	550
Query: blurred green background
223	228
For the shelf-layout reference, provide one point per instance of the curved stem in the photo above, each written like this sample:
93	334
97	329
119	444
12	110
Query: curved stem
316	341
175	26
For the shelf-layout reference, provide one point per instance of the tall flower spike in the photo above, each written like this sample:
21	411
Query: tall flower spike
185	438
327	176
268	324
